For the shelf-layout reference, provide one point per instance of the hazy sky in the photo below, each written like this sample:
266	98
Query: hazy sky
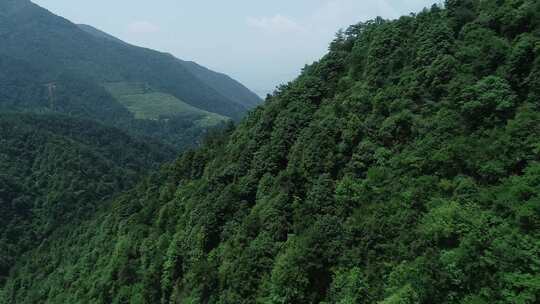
261	43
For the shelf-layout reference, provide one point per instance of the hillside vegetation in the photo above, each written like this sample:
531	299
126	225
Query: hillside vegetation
56	170
403	167
146	104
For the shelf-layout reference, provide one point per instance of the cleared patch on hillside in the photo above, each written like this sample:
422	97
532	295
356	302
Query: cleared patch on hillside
146	103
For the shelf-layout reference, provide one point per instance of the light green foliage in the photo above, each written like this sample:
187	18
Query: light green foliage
349	286
145	103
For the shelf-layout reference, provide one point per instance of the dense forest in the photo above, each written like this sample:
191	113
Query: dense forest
55	170
403	167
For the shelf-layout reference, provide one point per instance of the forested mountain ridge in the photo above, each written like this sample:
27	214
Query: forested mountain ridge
48	64
403	167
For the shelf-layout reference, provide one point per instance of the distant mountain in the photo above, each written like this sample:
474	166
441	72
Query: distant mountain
225	85
48	64
222	83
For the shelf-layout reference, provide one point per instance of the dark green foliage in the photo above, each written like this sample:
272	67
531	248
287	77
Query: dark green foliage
55	170
404	167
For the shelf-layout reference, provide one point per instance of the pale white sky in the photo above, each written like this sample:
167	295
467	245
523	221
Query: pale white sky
260	43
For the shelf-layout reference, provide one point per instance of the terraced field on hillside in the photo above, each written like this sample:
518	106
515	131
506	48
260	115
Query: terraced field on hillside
146	103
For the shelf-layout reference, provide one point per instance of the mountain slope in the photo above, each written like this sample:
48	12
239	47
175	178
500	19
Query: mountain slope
225	85
98	33
32	34
403	167
48	65
55	170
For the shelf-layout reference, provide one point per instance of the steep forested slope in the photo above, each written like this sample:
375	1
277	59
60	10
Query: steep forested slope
55	170
404	167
